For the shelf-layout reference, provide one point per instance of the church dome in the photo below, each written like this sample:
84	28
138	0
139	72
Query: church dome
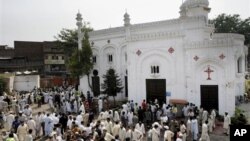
194	3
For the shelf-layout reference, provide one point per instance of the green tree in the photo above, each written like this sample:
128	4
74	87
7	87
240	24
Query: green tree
3	86
239	117
112	84
78	62
232	24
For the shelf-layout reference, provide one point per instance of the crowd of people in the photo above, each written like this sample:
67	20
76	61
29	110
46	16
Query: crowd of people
74	116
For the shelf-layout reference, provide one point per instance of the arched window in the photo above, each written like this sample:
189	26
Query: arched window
240	65
94	59
110	58
155	69
126	57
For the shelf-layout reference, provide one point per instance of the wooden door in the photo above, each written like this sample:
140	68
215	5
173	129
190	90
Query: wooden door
209	97
156	89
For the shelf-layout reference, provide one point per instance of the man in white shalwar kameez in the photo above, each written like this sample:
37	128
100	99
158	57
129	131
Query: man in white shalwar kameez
79	118
75	109
227	122
51	104
22	131
68	107
155	133
122	133
105	115
125	108
204	132
101	116
183	131
110	112
116	129
204	116
69	123
180	137
137	135
9	120
213	116
194	128
108	125
48	125
140	126
38	120
82	108
55	119
100	105
64	107
116	116
129	133
189	127
32	125
136	107
164	119
210	125
22	103
168	135
159	126
27	111
85	118
46	96
130	118
107	135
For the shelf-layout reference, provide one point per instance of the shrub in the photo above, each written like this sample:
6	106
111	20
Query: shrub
239	117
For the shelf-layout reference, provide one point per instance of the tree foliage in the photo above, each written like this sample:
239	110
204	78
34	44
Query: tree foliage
67	39
78	62
232	24
3	86
239	117
112	84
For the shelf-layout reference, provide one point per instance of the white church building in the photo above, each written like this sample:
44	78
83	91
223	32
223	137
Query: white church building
173	59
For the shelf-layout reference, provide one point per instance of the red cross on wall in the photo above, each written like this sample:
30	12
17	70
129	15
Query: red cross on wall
208	71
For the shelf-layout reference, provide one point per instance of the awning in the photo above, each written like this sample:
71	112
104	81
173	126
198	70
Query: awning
178	101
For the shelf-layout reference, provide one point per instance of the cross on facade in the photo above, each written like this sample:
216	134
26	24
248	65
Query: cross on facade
208	71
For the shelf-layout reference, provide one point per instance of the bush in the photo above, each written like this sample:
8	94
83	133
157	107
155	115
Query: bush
239	117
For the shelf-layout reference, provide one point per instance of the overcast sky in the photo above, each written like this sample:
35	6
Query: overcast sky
41	20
